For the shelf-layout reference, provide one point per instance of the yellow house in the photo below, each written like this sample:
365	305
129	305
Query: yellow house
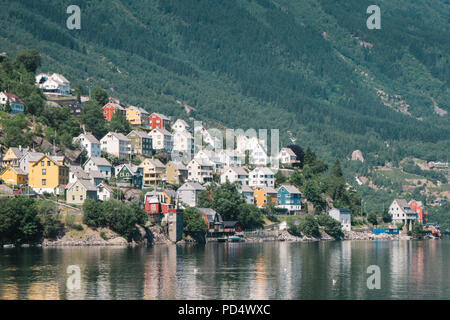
176	172
138	117
12	157
264	194
14	175
154	171
47	174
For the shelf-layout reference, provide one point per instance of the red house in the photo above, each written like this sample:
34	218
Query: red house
110	108
418	207
158	120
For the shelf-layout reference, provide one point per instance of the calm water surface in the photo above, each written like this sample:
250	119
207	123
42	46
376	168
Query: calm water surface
271	270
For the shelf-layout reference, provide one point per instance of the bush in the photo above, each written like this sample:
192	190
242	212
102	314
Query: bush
307	226
193	223
273	218
103	235
331	226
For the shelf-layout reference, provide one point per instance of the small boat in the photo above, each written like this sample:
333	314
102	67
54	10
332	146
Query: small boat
222	239
8	246
234	239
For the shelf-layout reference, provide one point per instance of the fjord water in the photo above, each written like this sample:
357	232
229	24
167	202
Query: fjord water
270	270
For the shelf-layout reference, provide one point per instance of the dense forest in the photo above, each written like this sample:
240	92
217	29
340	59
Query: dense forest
293	65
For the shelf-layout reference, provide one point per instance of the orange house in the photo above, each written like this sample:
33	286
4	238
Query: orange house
263	195
418	207
110	108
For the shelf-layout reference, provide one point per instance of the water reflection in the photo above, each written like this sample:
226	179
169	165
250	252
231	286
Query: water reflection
272	270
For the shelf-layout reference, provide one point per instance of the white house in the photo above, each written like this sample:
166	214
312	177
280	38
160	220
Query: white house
287	156
183	142
401	212
181	125
76	172
208	138
117	144
27	157
53	84
231	158
343	216
188	193
104	192
258	155
162	139
89	143
99	164
200	170
235	174
261	176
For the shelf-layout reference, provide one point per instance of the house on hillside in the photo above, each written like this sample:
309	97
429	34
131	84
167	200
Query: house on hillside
104	192
261	176
264	195
14	176
48	174
162	139
80	190
154	171
290	198
181	126
235	174
141	142
189	192
116	144
89	143
158	120
16	104
176	172
401	212
76	173
138	117
28	158
99	164
183	142
200	170
343	216
287	156
129	176
12	156
53	84
110	108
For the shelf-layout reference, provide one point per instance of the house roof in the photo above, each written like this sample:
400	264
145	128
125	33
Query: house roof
209	213
85	183
160	115
184	123
229	224
54	159
98	161
131	167
13	98
79	172
404	206
289	151
240	171
171	193
268	189
191	185
290	189
119	136
95	174
178	165
115	105
203	162
18	152
163	131
17	170
90	137
141	110
155	162
106	186
263	170
245	188
140	133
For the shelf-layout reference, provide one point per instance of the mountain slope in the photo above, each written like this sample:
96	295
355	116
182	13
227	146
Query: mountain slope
309	67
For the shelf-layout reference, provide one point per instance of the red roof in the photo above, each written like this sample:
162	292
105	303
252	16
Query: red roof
13	98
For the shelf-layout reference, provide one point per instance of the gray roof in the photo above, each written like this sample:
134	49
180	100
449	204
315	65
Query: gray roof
162	116
85	183
178	165
240	171
19	153
33	156
289	151
79	172
209	213
98	161
163	131
95	174
90	137
191	185
106	186
245	188
404	205
290	189
140	133
268	189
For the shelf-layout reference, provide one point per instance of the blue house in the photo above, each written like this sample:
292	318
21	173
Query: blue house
290	198
17	105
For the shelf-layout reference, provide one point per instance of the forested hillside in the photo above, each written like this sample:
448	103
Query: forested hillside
309	67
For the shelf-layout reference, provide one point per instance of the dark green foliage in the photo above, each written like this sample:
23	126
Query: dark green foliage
386	216
115	215
279	179
193	223
13	131
19	221
250	217
306	226
93	119
300	154
332	227
441	216
119	123
226	200
30	59
50	219
372	218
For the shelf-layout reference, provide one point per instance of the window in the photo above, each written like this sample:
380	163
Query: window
42	163
44	182
81	197
48	163
73	197
44	172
